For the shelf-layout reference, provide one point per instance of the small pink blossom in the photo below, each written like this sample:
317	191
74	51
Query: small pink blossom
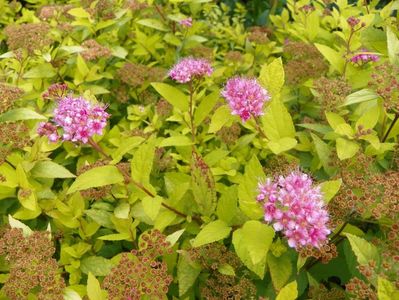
295	207
245	96
188	22
78	119
364	57
189	68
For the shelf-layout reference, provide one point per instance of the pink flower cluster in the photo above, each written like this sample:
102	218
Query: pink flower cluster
186	22
189	68
245	97
296	208
364	57
78	118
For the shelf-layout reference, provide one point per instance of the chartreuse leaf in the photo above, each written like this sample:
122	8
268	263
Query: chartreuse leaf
334	120
96	265
334	58
280	269
173	95
247	189
45	70
153	23
18	224
177	140
205	107
360	96
94	291
151	206
221	117
251	243
386	290
330	189
100	176
289	292
278	127
323	152
393	46
20	114
49	169
79	12
70	294
363	250
211	232
272	77
369	119
346	148
187	273
141	164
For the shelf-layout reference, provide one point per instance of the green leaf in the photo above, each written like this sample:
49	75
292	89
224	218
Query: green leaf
96	265
205	107
45	70
96	177
101	217
247	189
251	243
330	189
334	120
211	232
174	237
277	122
151	206
393	46
18	224
81	66
334	58
70	294
187	273
94	291
363	250
178	140
280	269
346	149
173	95
19	114
282	145
272	76
369	119
79	12
221	117
387	290
153	23
323	152
115	237
226	269
360	96
227	205
289	292
141	164
49	169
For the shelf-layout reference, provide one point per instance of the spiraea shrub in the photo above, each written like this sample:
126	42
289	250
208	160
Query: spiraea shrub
199	149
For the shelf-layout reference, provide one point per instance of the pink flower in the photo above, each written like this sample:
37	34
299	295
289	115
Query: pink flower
296	208
188	22
245	97
364	57
189	68
78	119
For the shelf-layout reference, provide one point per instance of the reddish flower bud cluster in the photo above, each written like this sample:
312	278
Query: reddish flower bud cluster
140	273
32	267
93	50
55	91
136	75
331	93
229	134
8	95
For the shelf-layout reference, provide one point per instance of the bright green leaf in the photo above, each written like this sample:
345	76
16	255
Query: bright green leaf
363	250
289	292
49	169
211	232
173	95
346	149
20	114
330	189
94	291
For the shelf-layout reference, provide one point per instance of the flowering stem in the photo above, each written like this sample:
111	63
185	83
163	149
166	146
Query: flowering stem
98	148
390	127
348	50
190	111
259	128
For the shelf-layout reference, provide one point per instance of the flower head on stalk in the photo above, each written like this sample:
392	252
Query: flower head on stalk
245	96
188	22
296	208
363	57
78	118
190	68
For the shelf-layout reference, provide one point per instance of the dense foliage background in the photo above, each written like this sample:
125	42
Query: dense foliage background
179	194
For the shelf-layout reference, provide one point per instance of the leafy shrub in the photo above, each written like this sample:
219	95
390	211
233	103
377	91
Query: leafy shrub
154	150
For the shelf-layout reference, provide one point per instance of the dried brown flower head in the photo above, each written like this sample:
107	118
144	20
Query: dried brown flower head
322	293
386	83
96	193
93	50
141	272
325	253
234	56
304	62
202	52
31	266
259	35
135	75
229	134
136	5
217	285
8	95
360	289
164	108
14	135
331	93
32	36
